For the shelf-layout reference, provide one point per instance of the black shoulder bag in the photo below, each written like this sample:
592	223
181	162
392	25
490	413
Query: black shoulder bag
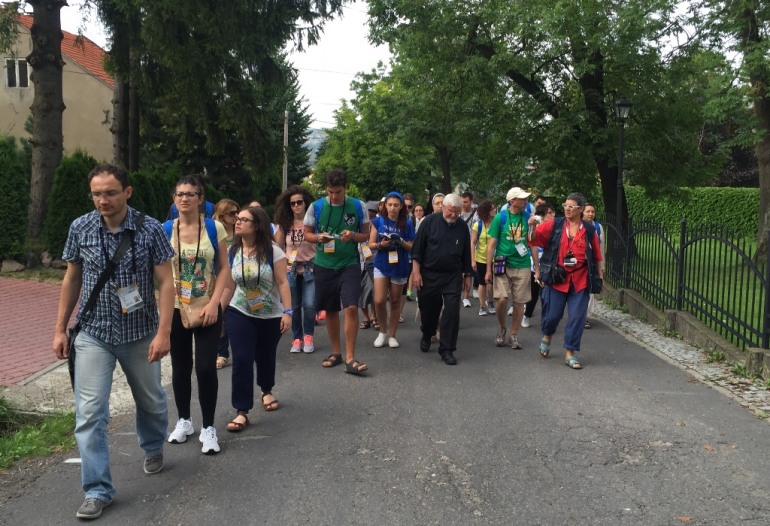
550	271
73	331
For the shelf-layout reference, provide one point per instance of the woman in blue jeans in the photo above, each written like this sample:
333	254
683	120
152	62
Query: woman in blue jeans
290	208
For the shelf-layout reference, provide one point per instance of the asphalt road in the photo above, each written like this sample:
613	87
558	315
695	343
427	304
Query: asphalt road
504	437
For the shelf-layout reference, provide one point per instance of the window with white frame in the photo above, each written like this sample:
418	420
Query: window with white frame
16	73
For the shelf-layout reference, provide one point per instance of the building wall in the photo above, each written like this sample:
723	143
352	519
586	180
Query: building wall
88	101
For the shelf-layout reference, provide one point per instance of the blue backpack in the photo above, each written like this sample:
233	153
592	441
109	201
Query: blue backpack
319	203
211	230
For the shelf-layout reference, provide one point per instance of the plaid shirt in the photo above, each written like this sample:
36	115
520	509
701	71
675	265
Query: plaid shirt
91	244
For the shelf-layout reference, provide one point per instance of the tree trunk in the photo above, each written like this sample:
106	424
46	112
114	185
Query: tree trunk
133	111
444	159
47	106
120	122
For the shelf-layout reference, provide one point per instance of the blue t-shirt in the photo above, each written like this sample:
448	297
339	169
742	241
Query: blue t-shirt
400	269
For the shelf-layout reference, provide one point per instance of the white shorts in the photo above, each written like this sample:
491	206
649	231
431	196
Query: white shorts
394	281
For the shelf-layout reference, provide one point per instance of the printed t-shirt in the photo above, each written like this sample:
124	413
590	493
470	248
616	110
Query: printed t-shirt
200	271
513	233
252	276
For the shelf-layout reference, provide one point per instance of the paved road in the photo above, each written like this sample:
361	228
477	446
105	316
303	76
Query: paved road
505	437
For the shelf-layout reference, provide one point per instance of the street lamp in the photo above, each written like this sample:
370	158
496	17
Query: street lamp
622	111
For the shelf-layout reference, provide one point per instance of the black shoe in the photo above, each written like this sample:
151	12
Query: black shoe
449	358
424	344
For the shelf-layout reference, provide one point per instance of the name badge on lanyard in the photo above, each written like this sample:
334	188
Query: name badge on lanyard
130	299
292	256
393	256
185	291
255	300
329	247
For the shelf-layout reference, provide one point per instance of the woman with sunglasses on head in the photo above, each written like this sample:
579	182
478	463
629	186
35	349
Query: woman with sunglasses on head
201	270
258	311
225	212
290	208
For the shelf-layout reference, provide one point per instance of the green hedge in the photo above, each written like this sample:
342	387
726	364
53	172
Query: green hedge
14	199
735	208
68	199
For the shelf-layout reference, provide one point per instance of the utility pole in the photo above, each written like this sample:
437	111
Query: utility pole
284	183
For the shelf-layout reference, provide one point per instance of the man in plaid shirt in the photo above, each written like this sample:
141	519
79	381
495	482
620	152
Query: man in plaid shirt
125	325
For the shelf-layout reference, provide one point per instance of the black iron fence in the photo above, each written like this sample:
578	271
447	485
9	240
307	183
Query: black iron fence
706	271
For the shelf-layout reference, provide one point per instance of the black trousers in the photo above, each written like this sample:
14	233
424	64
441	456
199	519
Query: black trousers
441	289
535	289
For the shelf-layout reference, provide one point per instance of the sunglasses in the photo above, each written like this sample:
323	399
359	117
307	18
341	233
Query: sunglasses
296	203
232	213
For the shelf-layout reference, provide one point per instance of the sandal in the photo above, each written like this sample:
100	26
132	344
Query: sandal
271	405
365	324
573	363
222	361
545	348
333	360
401	319
376	325
355	367
236	427
586	325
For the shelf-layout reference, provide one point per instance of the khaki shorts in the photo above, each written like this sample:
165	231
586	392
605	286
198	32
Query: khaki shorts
515	280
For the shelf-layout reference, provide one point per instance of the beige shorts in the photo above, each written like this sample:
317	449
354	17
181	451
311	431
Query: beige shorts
515	280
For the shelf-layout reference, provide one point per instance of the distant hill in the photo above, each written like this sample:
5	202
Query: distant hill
315	138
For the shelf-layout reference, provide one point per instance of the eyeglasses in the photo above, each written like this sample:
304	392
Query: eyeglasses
565	206
188	195
296	203
243	220
231	213
109	194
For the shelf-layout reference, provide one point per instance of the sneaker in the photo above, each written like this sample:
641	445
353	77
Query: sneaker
466	302
409	295
309	345
393	343
183	429
381	339
209	440
321	316
525	322
296	345
153	465
476	293
513	341
491	307
482	311
510	311
92	508
500	338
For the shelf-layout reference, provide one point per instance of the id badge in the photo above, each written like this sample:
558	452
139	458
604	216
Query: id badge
255	300
129	297
521	249
366	251
393	256
329	247
292	256
185	291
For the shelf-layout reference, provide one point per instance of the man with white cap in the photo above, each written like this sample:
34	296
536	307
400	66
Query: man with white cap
508	267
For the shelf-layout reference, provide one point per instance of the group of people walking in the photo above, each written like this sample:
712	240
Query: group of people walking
234	283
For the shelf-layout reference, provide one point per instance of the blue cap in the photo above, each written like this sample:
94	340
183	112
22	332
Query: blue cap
396	194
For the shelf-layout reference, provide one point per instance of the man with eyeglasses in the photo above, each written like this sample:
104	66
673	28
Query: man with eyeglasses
508	264
124	325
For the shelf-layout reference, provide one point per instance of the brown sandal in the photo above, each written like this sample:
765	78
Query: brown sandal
271	405
333	360
236	427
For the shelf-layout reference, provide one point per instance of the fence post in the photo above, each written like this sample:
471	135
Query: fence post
766	317
680	265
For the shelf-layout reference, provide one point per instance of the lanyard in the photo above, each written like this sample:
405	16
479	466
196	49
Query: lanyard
107	257
329	219
243	272
297	234
179	249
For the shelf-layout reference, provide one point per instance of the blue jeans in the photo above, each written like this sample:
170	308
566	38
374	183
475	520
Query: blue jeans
553	310
302	289
94	366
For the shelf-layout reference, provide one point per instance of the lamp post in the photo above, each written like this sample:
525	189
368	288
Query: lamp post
622	110
285	172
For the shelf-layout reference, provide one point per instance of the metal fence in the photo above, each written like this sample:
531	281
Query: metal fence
706	271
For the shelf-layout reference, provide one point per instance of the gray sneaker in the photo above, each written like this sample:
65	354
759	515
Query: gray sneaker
91	508
513	341
500	338
153	465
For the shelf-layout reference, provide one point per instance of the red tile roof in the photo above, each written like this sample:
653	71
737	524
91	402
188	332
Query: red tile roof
81	51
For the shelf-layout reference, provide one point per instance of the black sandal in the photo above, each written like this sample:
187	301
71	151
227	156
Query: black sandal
365	324
355	367
333	360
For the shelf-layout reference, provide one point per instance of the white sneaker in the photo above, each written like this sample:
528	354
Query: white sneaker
476	293
491	307
381	339
309	345
209	440
183	429
482	311
393	343
510	311
525	322
296	346
466	302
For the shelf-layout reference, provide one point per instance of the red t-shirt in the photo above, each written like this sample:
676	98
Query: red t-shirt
577	274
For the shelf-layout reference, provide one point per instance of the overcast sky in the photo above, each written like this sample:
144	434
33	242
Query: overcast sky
325	70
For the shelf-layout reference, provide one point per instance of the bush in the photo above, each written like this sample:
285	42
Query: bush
68	199
152	191
14	199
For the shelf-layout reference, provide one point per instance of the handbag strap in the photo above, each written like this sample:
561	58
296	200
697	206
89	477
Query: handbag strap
125	241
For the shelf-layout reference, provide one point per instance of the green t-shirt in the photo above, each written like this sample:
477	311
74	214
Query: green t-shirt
335	219
513	233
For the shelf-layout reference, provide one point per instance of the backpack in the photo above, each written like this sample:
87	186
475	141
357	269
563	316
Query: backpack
206	209
318	206
211	230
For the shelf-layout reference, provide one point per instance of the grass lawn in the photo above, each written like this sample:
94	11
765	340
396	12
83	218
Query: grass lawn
23	435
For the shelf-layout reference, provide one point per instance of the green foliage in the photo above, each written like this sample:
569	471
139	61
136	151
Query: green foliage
68	199
14	197
739	369
23	436
152	191
715	356
734	208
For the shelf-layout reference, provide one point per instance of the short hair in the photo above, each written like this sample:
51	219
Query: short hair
336	177
222	205
578	198
542	210
110	169
409	196
467	194
453	200
541	197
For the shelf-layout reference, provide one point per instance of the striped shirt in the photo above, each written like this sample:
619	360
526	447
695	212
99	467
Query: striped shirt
91	244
